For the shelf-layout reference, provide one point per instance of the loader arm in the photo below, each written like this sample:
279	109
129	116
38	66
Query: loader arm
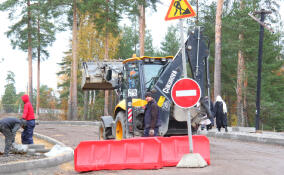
196	55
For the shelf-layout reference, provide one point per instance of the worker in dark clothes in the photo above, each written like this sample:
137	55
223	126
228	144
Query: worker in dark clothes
152	120
210	113
9	127
211	118
28	115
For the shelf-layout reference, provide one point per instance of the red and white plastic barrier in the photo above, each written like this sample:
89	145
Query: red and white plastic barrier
137	153
117	155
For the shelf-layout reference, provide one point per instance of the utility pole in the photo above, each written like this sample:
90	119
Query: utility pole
262	13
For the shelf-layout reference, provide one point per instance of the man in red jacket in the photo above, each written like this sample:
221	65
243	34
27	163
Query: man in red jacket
28	115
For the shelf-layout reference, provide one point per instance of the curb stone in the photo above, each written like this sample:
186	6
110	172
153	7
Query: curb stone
248	137
49	139
36	146
96	123
38	163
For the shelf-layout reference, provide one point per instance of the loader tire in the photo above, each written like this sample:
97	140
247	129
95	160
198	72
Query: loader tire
120	126
102	135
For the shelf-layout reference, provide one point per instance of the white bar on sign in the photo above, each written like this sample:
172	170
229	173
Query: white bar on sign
184	93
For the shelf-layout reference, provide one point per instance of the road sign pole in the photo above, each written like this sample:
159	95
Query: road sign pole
186	110
183	49
189	131
184	10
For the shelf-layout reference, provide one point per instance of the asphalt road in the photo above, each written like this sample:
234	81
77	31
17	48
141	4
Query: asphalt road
227	156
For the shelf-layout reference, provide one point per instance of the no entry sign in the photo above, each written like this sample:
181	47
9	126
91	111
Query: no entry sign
186	93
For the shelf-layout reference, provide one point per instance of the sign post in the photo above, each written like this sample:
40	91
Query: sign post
182	9
185	94
187	112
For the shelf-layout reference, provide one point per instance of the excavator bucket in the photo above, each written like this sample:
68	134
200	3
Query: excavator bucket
100	75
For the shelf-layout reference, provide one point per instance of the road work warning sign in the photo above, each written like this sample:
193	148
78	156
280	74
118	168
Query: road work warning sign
179	9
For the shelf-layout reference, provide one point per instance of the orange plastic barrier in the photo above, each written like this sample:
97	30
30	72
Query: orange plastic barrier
143	153
173	148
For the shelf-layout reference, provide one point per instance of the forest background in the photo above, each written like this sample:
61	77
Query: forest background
101	33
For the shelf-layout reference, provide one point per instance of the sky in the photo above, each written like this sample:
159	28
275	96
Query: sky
16	60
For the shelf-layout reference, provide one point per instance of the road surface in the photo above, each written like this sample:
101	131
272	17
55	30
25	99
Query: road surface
227	156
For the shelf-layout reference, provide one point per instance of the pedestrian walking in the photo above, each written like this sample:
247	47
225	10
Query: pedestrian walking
28	115
8	127
152	120
220	112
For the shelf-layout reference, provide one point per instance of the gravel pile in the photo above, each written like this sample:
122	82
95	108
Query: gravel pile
15	157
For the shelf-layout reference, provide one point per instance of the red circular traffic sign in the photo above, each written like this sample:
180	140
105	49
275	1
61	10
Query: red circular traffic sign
186	93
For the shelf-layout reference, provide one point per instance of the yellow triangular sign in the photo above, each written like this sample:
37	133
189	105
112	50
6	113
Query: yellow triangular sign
179	9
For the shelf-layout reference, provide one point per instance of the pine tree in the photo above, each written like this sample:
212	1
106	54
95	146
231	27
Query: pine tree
9	97
128	43
149	49
170	44
106	15
33	31
138	8
218	33
21	32
91	47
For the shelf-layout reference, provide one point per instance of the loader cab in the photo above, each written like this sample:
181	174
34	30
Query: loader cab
131	81
140	74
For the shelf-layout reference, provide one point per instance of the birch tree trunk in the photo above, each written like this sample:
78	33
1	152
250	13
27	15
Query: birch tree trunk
69	111
110	105
86	104
106	91
106	58
240	82
218	60
240	79
73	84
141	29
245	98
30	86
38	70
